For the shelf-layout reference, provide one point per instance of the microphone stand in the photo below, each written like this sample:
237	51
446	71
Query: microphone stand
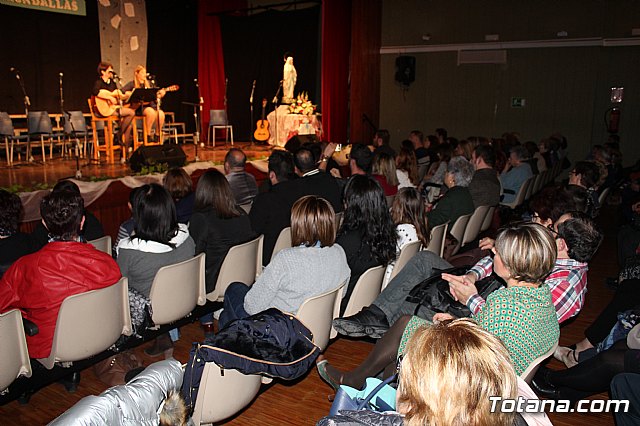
197	107
226	115
73	133
27	104
253	88
274	101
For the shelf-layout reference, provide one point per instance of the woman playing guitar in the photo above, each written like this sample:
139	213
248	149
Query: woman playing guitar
151	111
106	90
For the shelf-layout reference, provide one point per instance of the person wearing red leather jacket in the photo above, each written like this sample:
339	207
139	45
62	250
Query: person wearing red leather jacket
38	283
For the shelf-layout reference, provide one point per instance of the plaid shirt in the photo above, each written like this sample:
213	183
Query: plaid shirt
567	281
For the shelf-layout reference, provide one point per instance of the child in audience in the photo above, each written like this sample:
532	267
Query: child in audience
407	212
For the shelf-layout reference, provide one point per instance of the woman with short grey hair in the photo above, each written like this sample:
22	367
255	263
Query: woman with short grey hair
457	200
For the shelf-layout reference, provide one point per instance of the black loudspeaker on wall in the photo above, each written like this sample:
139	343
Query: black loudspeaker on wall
172	155
405	70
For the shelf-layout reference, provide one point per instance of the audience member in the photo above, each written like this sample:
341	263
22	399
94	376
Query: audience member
485	185
537	159
407	212
450	355
312	266
217	225
384	171
180	186
271	211
457	200
381	143
158	240
417	139
577	239
13	243
586	175
367	234
126	228
38	283
520	315
313	181
515	173
360	159
243	184
407	169
90	230
464	149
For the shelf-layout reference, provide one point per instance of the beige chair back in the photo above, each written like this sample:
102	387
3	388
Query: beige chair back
339	217
476	220
406	252
283	241
103	244
177	289
488	219
240	264
527	375
436	241
223	393
457	230
365	291
89	323
522	192
317	312
14	356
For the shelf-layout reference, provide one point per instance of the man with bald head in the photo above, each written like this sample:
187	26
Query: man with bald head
243	184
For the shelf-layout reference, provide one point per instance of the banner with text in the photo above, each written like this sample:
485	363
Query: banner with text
71	7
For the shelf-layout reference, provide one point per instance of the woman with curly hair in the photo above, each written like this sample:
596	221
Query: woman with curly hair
367	234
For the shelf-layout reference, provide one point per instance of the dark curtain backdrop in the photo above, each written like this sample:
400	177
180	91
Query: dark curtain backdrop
172	53
43	44
253	49
336	36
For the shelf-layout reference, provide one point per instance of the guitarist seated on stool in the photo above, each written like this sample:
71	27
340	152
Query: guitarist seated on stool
107	90
152	112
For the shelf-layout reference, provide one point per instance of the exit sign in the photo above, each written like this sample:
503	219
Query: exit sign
518	102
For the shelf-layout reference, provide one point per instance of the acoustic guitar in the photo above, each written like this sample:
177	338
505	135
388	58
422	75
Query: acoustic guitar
262	126
106	108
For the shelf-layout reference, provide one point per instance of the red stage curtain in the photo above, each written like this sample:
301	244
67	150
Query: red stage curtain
211	76
336	43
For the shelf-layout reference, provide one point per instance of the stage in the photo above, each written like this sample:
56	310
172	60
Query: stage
32	176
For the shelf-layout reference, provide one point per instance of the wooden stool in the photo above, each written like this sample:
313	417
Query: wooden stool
108	148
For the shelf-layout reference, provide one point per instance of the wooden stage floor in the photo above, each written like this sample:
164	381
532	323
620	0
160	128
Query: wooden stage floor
37	174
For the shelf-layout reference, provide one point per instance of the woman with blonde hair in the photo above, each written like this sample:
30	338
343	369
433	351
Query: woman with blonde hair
452	373
151	112
312	266
521	315
383	170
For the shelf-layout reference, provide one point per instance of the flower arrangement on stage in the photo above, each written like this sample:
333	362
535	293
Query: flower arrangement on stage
302	105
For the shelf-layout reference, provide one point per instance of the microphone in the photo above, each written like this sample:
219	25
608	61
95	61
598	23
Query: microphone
12	69
15	70
253	88
61	75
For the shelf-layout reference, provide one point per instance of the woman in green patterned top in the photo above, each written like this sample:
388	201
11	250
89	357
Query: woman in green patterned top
521	315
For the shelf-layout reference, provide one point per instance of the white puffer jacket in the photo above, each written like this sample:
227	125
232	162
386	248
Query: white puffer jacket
136	403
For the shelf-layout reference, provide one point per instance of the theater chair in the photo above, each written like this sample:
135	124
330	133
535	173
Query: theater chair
527	375
102	244
223	393
437	239
239	265
177	289
406	252
89	323
14	356
317	312
365	291
283	241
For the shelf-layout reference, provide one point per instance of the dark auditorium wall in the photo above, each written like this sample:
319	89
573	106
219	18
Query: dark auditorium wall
43	44
566	88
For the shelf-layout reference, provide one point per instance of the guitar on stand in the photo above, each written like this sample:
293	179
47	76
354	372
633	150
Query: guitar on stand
262	134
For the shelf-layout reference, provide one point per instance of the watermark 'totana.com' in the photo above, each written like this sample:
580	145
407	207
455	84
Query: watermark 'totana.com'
523	405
